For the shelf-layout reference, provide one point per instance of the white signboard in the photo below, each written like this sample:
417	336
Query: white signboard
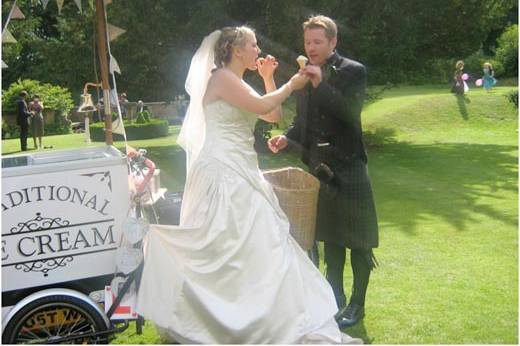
62	225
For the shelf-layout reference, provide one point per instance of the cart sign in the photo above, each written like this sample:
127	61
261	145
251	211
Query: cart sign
61	215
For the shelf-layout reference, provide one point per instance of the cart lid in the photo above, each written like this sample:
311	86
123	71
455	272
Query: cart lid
63	160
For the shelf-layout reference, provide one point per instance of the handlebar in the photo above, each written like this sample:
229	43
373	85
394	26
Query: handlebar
138	158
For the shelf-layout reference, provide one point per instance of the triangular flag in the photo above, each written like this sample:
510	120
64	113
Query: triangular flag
45	3
78	3
7	37
60	5
107	2
114	31
17	13
114	66
4	65
118	126
113	97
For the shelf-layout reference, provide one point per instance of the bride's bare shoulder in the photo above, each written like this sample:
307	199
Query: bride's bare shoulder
222	75
220	83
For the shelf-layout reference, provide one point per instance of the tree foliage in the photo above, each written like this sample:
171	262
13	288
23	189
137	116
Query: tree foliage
54	97
396	39
52	49
507	51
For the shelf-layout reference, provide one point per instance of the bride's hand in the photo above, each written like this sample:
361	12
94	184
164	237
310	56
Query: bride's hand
266	66
298	81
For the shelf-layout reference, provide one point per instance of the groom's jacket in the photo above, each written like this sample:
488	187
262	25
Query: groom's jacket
328	123
328	128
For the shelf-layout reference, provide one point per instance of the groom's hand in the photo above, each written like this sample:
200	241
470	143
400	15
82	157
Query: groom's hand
277	143
314	73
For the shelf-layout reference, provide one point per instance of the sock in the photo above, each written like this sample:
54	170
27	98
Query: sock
335	260
359	259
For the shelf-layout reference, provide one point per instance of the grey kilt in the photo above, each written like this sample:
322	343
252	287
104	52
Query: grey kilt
346	210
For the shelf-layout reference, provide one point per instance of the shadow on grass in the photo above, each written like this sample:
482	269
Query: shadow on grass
461	102
454	181
359	331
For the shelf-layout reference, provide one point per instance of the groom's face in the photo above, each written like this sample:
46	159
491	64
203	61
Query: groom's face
318	46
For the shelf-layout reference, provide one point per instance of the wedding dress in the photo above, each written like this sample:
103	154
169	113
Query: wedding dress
231	273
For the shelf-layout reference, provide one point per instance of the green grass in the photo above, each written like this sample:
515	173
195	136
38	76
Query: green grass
445	179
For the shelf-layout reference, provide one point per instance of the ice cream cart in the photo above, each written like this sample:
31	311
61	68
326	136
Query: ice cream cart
62	215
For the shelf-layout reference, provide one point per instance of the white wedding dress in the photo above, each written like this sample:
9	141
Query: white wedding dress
231	272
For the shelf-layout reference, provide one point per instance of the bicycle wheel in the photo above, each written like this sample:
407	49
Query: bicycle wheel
51	317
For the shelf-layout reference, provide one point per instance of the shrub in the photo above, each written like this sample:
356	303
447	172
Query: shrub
154	128
262	133
513	97
13	131
507	51
53	97
57	129
10	131
143	117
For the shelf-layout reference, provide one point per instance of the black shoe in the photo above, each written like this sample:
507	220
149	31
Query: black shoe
350	315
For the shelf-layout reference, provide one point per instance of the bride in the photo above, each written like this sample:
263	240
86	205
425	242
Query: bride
231	273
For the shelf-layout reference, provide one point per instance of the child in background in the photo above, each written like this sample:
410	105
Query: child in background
488	80
459	85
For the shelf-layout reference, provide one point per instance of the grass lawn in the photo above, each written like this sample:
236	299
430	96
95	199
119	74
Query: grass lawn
445	178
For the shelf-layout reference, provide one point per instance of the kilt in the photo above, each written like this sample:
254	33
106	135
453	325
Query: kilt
346	210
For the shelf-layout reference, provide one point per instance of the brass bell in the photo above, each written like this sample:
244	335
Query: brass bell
86	104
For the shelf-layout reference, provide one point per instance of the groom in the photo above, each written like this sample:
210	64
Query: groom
328	128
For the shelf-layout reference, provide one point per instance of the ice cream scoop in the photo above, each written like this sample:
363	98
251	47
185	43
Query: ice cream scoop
302	61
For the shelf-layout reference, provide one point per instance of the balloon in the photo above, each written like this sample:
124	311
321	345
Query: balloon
478	82
465	76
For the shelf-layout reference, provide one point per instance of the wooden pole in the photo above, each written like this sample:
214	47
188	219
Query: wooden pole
103	63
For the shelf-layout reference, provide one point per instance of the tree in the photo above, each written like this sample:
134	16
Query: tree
395	39
50	48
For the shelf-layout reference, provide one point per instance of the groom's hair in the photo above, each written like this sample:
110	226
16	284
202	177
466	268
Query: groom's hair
324	22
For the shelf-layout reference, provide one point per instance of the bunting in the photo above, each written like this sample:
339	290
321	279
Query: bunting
17	13
60	5
118	126
45	3
78	3
4	65
114	31
7	37
114	66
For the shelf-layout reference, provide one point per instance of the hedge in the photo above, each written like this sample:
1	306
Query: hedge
155	128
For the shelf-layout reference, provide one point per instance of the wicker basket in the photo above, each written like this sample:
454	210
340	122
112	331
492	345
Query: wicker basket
297	192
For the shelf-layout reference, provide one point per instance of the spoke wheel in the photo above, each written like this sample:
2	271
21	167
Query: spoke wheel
52	317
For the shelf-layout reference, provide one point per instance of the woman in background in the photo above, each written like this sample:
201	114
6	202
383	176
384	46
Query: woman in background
37	123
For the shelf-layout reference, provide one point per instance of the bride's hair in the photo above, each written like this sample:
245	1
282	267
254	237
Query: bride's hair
230	37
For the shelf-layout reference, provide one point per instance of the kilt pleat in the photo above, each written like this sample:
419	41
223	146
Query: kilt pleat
346	210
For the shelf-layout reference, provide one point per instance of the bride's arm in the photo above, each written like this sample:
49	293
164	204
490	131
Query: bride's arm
276	114
266	68
228	87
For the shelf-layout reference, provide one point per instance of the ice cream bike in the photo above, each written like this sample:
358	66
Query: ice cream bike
71	236
71	254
